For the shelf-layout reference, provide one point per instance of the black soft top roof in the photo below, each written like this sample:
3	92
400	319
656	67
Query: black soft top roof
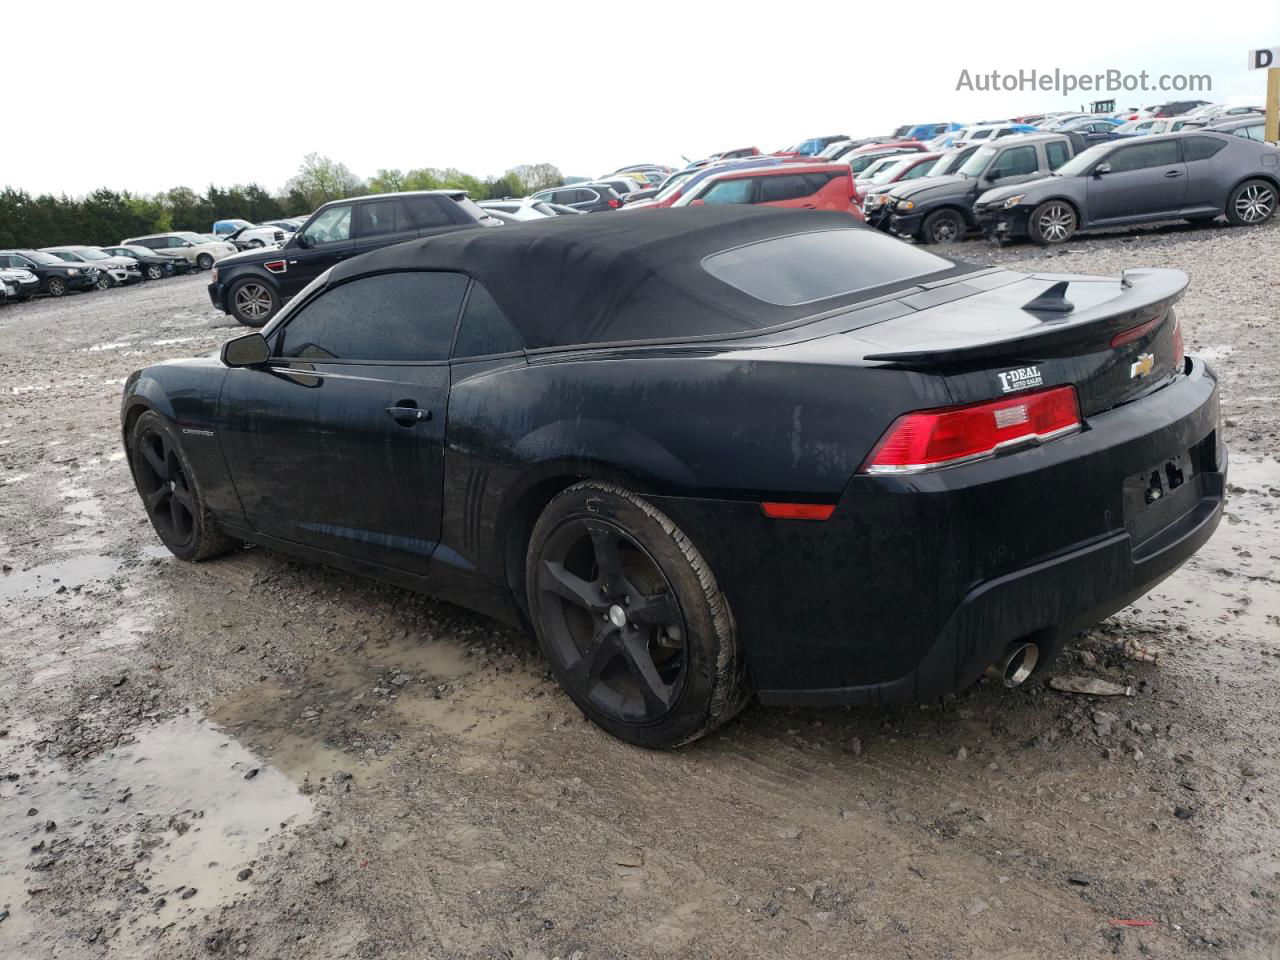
616	277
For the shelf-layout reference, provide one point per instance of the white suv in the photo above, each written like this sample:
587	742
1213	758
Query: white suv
201	251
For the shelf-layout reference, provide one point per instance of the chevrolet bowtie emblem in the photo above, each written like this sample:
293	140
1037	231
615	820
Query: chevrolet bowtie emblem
1142	366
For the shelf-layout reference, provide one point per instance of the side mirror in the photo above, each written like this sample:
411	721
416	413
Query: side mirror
302	240
250	350
1101	168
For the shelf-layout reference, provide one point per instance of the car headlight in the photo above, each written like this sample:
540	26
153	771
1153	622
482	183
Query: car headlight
1012	201
876	200
214	275
904	205
73	271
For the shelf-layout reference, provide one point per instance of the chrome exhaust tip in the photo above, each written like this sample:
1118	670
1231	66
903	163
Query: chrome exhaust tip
1015	664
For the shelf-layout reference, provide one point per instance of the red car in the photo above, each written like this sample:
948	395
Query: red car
863	157
901	170
807	186
739	153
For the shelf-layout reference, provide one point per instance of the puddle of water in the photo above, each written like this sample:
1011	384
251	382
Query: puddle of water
1234	579
48	578
175	804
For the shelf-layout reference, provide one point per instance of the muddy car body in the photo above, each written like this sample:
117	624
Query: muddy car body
717	451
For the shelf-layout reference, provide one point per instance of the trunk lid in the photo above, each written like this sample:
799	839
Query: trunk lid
1002	333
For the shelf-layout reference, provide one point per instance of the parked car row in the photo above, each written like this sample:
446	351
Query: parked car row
57	271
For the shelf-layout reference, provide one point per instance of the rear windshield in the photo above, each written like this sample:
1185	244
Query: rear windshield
806	267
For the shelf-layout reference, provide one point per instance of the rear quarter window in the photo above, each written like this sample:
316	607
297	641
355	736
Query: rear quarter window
807	267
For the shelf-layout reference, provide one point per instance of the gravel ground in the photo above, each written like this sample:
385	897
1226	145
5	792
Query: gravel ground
255	757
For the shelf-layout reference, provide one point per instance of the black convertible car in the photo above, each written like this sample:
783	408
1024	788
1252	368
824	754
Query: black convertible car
708	452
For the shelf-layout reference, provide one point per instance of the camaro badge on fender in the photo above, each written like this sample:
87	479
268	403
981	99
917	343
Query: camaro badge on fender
1022	378
1142	366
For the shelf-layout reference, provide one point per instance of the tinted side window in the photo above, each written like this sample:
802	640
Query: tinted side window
774	189
1055	152
1014	162
428	212
391	316
1200	148
1155	154
485	329
1252	132
382	217
157	243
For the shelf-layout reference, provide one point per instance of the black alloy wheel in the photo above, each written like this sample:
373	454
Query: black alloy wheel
613	622
165	488
56	287
170	493
204	261
631	619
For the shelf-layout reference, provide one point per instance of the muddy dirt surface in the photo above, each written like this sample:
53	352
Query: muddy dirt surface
254	757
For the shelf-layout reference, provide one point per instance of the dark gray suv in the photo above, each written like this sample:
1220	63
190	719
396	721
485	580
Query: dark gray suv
1196	176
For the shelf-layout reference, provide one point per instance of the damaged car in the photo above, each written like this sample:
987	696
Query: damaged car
708	455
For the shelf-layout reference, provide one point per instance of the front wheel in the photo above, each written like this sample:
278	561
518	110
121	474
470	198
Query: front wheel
1052	222
631	618
57	287
1251	203
942	226
253	302
104	281
154	271
170	493
255	244
204	261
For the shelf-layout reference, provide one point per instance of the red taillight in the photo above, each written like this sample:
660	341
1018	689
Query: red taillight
1179	348
798	511
930	439
1134	333
615	203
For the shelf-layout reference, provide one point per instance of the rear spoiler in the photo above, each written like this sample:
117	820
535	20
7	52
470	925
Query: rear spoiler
1142	292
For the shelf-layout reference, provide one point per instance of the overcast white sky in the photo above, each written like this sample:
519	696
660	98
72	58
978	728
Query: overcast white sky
232	92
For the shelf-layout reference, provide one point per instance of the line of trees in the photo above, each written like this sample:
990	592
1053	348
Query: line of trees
105	216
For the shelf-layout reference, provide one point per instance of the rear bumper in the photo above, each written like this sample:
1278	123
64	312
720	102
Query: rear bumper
915	585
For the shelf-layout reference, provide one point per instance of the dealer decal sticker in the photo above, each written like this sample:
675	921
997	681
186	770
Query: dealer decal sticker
1023	378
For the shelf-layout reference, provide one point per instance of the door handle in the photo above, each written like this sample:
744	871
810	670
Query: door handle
1172	173
408	413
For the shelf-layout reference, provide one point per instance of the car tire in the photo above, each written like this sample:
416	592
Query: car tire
1251	203
1052	222
256	244
56	287
104	282
252	301
942	226
631	619
170	492
204	261
154	271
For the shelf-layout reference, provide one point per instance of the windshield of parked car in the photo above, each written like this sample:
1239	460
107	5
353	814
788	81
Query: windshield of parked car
974	166
39	256
673	184
67	256
88	253
194	238
890	170
946	163
859	164
1083	161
